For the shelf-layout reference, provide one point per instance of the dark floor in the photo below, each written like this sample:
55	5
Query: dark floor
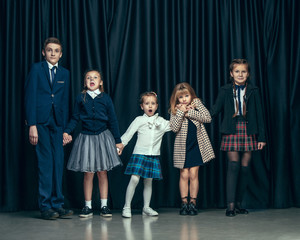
273	224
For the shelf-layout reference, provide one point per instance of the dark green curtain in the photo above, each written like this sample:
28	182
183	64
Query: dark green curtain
145	45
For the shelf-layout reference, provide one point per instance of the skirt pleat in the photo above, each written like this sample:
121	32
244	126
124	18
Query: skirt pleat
144	166
93	153
239	141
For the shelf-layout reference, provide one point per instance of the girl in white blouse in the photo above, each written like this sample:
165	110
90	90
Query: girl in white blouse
144	161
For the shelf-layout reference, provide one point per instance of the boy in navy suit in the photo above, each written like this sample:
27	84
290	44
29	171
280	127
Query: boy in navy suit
46	110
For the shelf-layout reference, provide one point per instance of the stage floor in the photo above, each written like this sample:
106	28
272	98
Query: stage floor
273	224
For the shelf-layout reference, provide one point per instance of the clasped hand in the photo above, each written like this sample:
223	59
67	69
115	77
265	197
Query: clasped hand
66	139
185	108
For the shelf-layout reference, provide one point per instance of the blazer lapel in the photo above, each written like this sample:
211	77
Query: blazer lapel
46	70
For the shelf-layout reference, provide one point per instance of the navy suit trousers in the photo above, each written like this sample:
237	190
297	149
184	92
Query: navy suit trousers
50	157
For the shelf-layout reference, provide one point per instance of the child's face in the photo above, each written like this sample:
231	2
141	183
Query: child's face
93	80
240	74
149	105
52	53
185	98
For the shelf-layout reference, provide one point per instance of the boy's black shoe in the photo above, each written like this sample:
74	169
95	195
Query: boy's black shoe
230	213
184	209
63	212
49	214
105	212
86	212
192	209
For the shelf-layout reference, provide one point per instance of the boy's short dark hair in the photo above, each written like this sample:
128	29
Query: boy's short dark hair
52	40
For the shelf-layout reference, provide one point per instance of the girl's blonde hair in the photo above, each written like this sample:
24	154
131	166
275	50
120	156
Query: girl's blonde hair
101	88
147	94
180	89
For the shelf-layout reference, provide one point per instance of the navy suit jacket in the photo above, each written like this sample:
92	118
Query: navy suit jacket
41	95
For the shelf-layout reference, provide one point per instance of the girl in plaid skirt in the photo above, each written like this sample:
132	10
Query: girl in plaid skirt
144	161
242	128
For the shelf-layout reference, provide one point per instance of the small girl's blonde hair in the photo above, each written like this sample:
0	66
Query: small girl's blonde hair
147	94
180	89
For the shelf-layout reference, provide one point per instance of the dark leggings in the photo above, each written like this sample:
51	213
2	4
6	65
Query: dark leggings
237	178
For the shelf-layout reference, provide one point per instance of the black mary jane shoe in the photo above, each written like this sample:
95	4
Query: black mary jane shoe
184	209
230	213
241	211
192	209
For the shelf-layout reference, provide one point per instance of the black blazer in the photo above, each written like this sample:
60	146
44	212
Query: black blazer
254	114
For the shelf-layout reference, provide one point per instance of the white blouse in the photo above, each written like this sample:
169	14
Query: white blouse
150	131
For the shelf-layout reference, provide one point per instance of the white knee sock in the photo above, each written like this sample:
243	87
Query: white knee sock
89	204
103	202
147	191
134	180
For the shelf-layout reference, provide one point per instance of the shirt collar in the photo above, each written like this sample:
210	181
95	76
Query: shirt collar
50	66
94	94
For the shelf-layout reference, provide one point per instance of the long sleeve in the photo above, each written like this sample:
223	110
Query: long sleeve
113	124
30	96
200	113
66	100
131	130
176	120
75	117
219	104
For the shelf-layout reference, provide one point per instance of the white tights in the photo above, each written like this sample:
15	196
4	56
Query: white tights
134	180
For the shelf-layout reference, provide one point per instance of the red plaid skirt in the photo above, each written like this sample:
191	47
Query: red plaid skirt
239	141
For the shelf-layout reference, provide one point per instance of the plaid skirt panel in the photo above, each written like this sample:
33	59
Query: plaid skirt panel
239	141
144	166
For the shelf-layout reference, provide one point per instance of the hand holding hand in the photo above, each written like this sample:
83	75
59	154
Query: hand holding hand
66	139
120	148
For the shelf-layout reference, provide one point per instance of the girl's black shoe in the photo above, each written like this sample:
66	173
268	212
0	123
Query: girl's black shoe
105	212
184	209
192	209
230	213
241	211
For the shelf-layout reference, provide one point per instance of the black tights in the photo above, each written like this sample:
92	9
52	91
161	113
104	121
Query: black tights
237	176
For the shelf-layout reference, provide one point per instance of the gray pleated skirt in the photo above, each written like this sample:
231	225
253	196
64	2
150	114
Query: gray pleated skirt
93	153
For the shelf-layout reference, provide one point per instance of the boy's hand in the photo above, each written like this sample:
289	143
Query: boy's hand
120	148
66	139
33	135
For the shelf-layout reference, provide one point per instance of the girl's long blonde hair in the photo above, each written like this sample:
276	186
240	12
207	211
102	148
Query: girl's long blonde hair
180	89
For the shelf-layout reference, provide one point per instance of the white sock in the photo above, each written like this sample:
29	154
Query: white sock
89	204
134	180
147	191
103	202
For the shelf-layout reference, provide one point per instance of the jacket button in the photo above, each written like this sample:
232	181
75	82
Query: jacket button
52	95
